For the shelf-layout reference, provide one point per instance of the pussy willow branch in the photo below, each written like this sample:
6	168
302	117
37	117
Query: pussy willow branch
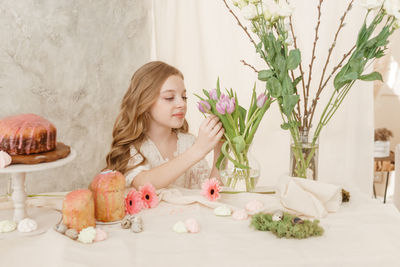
301	70
322	86
247	64
330	76
311	64
240	24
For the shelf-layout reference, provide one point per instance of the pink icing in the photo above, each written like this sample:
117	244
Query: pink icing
103	184
16	126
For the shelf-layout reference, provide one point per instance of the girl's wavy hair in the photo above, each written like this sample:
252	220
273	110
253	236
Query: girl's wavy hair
133	120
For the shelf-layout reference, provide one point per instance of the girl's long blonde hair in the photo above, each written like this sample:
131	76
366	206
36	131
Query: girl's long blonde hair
133	120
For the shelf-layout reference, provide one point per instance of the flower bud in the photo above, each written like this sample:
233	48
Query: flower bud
204	106
261	100
213	94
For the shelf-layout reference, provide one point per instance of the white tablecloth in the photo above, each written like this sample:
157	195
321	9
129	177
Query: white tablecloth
364	232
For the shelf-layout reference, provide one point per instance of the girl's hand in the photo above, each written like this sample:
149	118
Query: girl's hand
210	133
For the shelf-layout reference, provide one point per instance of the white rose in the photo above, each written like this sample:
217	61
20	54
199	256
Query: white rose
242	3
285	10
392	7
272	10
371	4
249	12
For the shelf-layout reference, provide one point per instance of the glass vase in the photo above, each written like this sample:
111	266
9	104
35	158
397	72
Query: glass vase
304	156
244	177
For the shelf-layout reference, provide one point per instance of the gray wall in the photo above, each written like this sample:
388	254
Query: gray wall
71	62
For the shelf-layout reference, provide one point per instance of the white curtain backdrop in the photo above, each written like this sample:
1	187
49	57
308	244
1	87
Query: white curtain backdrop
203	40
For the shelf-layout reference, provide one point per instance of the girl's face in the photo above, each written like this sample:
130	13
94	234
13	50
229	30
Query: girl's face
170	108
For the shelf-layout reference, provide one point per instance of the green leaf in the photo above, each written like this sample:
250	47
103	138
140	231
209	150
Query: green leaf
371	77
224	151
297	80
220	160
294	59
288	103
199	97
242	112
239	143
274	87
264	75
285	126
206	93
280	63
287	85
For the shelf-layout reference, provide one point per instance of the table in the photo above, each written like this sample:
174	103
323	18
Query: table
386	164
18	173
364	232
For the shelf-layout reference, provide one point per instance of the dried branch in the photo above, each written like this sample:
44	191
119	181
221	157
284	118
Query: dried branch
247	64
240	24
320	86
300	65
314	104
312	59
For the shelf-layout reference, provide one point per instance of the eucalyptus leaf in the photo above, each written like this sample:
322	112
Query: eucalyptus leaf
294	59
371	76
274	87
264	75
288	103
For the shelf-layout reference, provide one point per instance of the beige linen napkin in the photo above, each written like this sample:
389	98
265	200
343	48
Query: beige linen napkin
311	198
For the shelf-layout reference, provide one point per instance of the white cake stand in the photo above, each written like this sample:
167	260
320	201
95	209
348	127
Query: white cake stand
18	173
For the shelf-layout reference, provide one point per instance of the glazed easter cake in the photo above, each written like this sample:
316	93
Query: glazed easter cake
78	209
27	134
108	189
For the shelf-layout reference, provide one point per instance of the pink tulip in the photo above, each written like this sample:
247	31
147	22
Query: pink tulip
221	106
213	94
225	105
204	106
230	108
261	100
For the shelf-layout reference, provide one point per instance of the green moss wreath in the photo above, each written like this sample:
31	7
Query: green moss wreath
286	227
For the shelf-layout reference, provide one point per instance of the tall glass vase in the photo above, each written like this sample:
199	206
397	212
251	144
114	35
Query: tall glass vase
243	177
304	156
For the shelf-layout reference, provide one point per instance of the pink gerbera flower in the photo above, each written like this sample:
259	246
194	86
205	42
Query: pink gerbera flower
133	202
149	196
210	189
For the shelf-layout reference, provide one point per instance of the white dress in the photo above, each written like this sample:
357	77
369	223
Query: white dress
192	178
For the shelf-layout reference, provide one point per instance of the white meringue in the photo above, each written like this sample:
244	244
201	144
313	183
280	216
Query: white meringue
87	235
5	159
7	226
240	215
27	225
100	235
254	206
222	211
192	225
179	227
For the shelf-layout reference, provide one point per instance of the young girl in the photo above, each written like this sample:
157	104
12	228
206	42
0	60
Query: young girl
151	140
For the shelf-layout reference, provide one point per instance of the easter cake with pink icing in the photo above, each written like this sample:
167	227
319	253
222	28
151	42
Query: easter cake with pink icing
108	189
27	134
78	209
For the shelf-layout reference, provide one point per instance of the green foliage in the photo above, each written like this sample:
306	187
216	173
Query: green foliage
285	227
